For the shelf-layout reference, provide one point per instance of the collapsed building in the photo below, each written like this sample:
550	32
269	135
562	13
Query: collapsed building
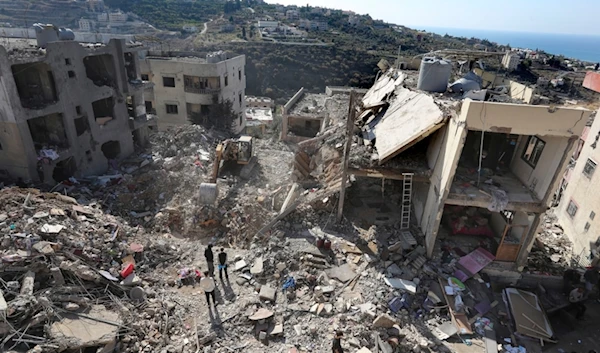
480	172
69	110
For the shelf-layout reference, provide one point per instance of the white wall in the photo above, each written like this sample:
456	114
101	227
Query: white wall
546	167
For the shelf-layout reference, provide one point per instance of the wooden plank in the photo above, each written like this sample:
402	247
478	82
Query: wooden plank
388	174
460	320
349	128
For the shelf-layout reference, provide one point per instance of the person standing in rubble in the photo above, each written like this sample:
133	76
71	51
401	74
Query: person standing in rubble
210	259
223	264
576	298
337	342
207	283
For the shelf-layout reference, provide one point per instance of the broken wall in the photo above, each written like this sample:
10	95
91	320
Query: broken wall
539	178
522	119
75	92
452	142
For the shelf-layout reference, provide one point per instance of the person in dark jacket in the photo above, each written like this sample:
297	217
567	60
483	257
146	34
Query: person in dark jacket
223	264
337	343
210	259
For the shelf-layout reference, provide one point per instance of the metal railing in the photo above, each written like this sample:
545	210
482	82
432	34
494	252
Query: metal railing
197	90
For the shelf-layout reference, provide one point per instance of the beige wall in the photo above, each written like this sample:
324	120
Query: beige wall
517	90
522	119
453	138
584	192
158	68
546	167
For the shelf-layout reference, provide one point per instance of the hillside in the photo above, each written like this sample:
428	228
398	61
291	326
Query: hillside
26	12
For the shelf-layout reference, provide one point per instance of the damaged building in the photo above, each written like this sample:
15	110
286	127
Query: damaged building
189	84
479	173
70	110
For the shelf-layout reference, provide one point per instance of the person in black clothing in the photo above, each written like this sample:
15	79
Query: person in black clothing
210	259
223	264
337	343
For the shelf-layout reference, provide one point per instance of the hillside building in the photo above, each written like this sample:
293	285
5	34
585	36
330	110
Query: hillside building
189	83
71	111
86	25
511	61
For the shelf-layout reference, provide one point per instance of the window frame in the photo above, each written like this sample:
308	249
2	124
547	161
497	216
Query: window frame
572	204
171	111
533	163
589	162
171	78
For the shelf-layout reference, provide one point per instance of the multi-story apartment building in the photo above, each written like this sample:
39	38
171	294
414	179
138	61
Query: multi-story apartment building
188	83
70	111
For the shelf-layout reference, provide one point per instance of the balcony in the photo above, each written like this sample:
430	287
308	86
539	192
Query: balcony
198	90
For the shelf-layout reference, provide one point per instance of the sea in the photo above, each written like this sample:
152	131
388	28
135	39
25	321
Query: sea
575	46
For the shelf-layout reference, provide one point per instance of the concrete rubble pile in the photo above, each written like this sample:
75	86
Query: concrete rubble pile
553	251
74	277
158	188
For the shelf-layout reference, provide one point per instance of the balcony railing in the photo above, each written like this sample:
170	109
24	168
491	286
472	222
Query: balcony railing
198	90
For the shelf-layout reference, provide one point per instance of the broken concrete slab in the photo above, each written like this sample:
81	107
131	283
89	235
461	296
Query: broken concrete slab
3	304
275	329
27	284
343	273
267	293
99	327
384	321
402	284
51	229
394	270
44	247
261	314
258	266
239	265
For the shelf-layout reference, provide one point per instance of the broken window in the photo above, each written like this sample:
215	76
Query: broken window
78	110
35	84
71	74
111	149
240	73
240	97
572	208
592	215
130	66
67	61
48	132
64	170
81	125
103	110
130	102
586	227
149	108
195	84
168	81
226	80
171	109
533	150
589	168
145	77
100	69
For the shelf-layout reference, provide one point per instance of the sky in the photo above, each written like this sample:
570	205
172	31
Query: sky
535	16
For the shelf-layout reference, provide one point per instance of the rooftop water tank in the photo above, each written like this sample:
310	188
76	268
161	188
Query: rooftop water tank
434	75
66	34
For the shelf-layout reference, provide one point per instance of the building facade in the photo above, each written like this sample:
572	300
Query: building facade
86	25
70	112
578	205
511	61
185	85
